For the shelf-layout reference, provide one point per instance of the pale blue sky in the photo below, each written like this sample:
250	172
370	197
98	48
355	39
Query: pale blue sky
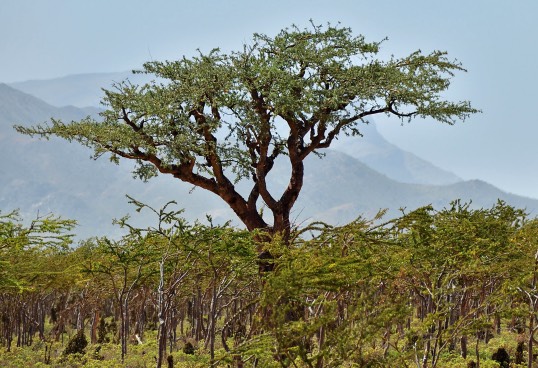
495	40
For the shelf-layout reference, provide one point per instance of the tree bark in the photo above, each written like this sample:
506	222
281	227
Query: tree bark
95	324
463	344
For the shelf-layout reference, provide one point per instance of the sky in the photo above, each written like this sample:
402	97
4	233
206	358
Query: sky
495	40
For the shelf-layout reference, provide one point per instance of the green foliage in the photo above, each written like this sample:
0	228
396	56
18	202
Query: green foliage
451	257
102	332
188	348
77	344
404	292
328	298
216	118
502	357
28	253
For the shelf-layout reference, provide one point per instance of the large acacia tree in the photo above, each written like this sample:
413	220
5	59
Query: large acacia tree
216	118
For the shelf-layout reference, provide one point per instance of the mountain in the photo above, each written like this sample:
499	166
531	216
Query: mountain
41	177
79	90
17	105
400	165
339	188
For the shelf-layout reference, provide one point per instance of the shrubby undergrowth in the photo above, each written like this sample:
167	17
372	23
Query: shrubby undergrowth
432	288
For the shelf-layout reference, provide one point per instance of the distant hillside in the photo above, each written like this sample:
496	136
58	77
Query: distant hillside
16	105
59	177
78	90
41	177
340	188
376	152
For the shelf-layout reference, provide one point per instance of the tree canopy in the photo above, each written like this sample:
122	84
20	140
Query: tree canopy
216	118
419	290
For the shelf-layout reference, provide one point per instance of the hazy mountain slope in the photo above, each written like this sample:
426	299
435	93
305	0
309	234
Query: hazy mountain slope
59	177
376	152
339	188
77	90
18	106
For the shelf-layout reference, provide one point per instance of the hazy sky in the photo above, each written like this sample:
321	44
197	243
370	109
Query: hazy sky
495	40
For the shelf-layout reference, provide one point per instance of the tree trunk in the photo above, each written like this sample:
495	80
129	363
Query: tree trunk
212	320
426	353
95	324
162	313
531	340
124	329
42	316
321	343
477	352
198	311
463	343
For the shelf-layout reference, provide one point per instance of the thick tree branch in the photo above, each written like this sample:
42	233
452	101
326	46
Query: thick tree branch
264	164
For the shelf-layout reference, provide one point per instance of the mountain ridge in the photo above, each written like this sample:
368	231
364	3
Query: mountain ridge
375	151
79	90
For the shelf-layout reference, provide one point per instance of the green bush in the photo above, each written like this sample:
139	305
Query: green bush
77	344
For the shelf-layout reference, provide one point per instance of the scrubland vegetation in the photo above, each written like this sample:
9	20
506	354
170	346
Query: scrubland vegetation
431	288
